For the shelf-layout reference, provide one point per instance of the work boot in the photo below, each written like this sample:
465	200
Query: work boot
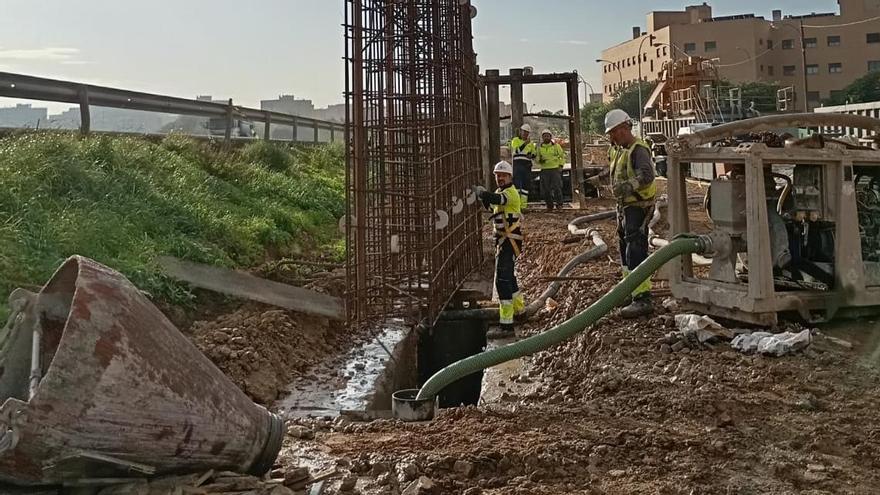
639	307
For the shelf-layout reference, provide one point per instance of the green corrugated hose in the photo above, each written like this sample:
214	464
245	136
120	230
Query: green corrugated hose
685	244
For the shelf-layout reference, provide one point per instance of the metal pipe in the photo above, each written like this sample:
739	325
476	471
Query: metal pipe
770	123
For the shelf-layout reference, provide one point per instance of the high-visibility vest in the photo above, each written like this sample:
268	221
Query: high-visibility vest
506	218
550	156
522	151
620	160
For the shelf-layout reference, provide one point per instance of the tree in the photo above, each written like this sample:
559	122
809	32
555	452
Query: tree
627	99
863	90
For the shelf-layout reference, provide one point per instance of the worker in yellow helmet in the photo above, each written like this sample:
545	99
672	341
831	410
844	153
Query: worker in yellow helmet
522	152
632	180
551	158
506	206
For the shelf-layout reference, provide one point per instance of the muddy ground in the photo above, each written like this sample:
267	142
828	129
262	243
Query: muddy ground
613	411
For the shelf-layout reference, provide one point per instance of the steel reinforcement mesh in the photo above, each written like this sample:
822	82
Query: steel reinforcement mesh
413	228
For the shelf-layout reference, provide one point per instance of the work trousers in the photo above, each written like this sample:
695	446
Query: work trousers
505	276
632	232
551	186
522	176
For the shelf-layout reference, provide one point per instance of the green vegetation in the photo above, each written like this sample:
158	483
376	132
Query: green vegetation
593	114
124	201
863	90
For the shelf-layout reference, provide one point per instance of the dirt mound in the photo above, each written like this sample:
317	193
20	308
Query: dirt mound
261	349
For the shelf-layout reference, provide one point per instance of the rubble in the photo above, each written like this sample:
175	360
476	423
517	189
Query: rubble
772	344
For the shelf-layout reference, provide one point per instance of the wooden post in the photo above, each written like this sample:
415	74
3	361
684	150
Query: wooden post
267	133
575	145
484	136
758	232
516	100
227	137
493	122
85	117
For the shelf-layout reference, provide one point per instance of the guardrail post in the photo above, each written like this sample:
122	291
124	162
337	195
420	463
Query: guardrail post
295	129
227	137
85	117
316	132
267	135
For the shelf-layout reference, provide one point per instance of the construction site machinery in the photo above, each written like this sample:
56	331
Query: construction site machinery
795	229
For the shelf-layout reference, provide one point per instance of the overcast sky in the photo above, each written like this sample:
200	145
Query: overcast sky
252	50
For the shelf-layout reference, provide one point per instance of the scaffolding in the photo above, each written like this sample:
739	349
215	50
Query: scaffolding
412	226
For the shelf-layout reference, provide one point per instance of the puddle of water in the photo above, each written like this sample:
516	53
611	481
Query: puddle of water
347	387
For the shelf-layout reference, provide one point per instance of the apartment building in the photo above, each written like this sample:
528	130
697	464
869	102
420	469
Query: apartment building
839	47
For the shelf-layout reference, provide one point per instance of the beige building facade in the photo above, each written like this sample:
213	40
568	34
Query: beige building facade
839	48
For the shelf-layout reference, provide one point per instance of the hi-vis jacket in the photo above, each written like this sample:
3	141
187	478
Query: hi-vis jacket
621	165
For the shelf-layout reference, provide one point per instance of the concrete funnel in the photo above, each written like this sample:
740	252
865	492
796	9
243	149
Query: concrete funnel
122	392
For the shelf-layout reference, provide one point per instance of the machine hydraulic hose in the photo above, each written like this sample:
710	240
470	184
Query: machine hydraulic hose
679	246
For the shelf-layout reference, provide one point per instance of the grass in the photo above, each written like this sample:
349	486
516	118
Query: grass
125	201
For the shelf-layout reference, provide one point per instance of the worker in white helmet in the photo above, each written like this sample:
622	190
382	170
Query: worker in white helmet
551	158
522	151
506	207
632	180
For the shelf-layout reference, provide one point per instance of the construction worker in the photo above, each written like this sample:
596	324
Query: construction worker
506	206
522	151
551	158
632	180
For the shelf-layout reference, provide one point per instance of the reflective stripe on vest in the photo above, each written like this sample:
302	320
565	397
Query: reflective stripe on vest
520	148
506	218
620	160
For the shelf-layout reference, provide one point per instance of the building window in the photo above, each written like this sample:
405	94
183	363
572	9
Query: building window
690	48
810	43
813	96
761	41
762	67
834	41
710	46
652	66
769	70
664	51
873	65
835	68
787	44
873	38
788	70
812	69
769	44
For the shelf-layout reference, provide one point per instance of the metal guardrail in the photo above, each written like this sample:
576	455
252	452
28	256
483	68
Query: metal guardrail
85	95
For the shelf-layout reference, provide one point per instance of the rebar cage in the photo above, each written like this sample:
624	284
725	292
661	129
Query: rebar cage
412	227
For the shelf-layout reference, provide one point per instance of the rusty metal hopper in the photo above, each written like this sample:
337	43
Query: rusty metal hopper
122	391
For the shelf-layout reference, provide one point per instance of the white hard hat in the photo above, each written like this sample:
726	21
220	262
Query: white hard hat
614	118
503	167
546	131
526	127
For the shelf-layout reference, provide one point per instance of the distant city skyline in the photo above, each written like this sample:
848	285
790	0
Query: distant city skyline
271	48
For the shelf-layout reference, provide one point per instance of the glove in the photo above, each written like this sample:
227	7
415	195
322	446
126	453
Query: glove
478	190
623	190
